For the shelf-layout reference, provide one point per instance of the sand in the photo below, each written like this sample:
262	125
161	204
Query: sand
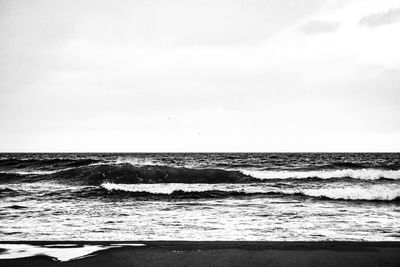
188	253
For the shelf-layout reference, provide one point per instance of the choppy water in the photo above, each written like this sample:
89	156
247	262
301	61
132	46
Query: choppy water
306	196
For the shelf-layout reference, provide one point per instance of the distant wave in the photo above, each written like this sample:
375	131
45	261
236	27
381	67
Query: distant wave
138	161
41	162
232	165
372	193
363	174
347	165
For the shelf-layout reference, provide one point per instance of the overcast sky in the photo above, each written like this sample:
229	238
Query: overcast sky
139	76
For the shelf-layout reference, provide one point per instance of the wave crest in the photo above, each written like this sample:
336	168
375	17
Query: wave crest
362	174
354	193
129	174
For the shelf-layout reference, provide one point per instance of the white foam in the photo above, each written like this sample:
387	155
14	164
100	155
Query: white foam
33	172
168	188
374	192
137	161
364	174
60	245
63	252
38	187
341	191
14	251
129	245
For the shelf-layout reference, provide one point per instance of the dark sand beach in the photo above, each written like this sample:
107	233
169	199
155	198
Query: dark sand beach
187	253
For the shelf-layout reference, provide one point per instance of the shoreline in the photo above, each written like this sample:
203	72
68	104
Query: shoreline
221	253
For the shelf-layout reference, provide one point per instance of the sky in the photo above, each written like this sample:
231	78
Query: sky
200	76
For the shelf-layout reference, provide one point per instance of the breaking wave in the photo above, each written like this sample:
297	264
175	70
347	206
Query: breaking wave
165	191
138	161
356	193
127	173
362	174
373	193
95	174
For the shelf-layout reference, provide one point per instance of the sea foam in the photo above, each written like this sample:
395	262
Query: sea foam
57	252
363	174
377	192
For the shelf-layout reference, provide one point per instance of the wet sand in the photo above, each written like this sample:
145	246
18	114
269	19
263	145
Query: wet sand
188	253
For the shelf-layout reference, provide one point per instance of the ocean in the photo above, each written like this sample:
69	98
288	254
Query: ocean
200	196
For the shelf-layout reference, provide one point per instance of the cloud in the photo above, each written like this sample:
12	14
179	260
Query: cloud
381	18
98	75
316	27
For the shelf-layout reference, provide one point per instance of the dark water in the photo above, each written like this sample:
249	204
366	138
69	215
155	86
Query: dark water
306	196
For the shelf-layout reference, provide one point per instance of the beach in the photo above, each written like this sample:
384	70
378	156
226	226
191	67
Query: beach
220	253
194	209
